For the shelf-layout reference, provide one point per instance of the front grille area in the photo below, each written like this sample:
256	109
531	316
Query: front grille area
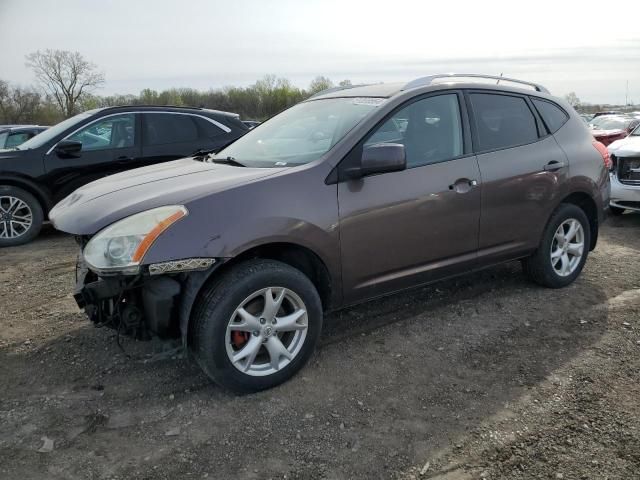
628	170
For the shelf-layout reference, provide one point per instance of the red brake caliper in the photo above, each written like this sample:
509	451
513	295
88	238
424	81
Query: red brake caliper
239	338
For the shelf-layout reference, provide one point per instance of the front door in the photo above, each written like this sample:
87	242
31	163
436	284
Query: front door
109	145
404	228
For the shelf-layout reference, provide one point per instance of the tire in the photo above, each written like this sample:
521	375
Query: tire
616	211
18	206
247	285
542	267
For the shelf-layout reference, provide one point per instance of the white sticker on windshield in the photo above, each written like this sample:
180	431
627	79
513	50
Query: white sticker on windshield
373	101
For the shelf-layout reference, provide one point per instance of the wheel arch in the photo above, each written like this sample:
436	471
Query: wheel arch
43	197
294	255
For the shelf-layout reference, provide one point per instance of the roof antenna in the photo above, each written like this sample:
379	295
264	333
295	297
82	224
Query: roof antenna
499	79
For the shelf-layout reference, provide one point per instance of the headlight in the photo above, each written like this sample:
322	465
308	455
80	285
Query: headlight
121	246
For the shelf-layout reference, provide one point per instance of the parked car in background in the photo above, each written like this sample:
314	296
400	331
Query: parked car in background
40	172
251	123
352	194
586	117
606	112
13	135
609	128
625	173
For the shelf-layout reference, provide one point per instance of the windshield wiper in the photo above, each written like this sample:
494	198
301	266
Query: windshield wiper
203	152
228	161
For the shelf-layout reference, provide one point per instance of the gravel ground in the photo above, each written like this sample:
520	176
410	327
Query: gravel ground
486	376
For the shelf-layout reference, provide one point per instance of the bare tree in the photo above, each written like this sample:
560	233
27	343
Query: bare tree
319	83
572	99
65	75
17	104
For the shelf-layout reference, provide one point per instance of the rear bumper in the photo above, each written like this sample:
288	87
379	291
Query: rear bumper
624	196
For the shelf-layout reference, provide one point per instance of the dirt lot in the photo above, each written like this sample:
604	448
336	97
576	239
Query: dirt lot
486	376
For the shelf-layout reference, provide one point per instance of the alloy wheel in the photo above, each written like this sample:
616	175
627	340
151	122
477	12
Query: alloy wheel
266	331
16	217
567	247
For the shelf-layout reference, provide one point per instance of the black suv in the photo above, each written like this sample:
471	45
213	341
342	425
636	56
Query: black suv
35	175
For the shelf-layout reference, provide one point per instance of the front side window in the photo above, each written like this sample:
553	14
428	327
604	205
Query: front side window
116	131
551	114
165	128
301	134
58	129
502	121
430	130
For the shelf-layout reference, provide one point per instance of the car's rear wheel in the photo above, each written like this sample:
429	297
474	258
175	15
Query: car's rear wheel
21	216
256	326
616	211
564	248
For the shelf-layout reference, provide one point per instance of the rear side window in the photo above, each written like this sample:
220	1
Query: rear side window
552	115
502	121
164	128
207	128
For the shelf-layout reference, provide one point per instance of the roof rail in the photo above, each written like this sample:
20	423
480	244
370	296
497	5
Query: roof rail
424	81
336	89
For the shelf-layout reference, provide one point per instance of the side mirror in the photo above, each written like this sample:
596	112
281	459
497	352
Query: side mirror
380	158
68	148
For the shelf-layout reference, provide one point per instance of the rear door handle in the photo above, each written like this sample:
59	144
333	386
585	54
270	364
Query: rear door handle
554	165
463	185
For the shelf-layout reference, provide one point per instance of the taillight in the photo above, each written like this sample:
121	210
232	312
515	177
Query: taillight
605	154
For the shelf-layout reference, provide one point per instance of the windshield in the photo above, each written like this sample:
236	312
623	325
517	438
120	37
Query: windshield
636	132
50	133
609	123
300	134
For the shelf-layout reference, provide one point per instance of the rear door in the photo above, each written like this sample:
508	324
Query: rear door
110	144
400	229
169	136
523	170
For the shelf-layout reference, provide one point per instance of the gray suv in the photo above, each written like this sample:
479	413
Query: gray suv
352	194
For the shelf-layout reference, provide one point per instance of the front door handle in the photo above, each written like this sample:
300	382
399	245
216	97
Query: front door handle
124	159
463	185
554	165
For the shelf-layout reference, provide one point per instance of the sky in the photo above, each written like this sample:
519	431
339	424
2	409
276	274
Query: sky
566	46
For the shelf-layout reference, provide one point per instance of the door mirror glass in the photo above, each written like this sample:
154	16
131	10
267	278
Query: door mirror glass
68	148
380	158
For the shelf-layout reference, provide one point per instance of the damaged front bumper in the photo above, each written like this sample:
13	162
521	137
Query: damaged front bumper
155	302
625	183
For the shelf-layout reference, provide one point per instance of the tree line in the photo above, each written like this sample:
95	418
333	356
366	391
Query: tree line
66	84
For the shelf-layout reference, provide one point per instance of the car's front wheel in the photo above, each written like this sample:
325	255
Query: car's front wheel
563	250
256	326
21	216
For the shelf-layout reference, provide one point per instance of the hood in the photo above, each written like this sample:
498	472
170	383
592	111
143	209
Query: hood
100	203
606	133
626	147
